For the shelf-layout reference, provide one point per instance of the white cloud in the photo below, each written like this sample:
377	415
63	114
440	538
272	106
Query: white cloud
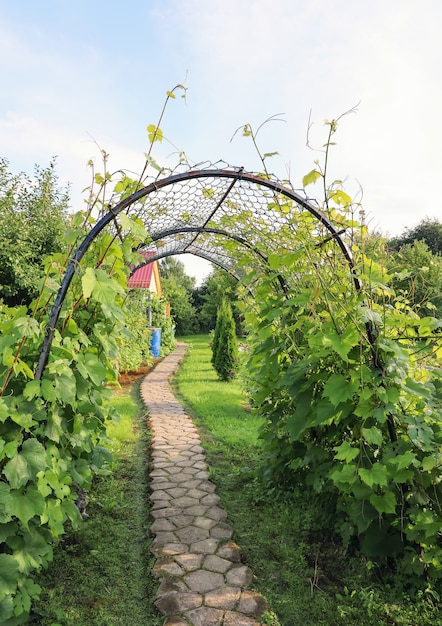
67	81
261	57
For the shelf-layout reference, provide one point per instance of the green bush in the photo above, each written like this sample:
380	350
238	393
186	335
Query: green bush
224	346
134	341
350	386
165	323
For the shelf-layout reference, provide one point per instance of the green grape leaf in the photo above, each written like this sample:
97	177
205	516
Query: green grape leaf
377	475
429	463
5	503
4	411
48	391
20	367
208	192
346	452
88	281
66	388
134	226
32	389
53	428
22	418
340	197
102	287
154	133
91	367
344	476
311	177
298	422
403	460
386	503
26	464
28	504
342	344
27	326
33	552
338	389
8	575
372	435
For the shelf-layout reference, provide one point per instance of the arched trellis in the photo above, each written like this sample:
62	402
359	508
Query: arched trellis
188	213
217	231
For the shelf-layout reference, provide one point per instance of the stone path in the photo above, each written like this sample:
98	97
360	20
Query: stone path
202	579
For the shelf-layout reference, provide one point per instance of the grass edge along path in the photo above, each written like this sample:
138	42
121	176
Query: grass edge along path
101	573
300	568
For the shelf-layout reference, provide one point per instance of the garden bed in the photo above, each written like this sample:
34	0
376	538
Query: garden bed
127	378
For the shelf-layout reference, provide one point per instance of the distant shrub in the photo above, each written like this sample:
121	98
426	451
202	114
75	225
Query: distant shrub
224	346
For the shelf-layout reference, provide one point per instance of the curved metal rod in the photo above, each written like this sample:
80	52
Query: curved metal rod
198	229
216	231
199	254
141	193
157	257
280	188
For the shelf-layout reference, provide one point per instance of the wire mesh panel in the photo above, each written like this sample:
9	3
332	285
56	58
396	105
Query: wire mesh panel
218	213
235	219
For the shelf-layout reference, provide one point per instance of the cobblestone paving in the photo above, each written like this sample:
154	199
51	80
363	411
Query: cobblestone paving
202	579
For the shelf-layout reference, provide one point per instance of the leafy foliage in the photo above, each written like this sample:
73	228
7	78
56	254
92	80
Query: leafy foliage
33	217
113	546
287	535
207	299
161	319
350	387
51	429
52	425
348	380
134	342
178	288
429	230
417	277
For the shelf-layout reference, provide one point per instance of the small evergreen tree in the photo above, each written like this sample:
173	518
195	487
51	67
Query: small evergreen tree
224	346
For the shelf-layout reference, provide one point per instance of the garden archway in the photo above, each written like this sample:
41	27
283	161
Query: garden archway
217	214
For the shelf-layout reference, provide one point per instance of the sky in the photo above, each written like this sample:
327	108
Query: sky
87	75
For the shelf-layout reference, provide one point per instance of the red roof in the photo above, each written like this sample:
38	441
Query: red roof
142	277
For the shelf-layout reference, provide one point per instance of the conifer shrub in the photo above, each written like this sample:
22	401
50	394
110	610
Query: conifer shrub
224	345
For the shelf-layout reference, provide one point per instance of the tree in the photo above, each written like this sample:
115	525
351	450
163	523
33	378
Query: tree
178	288
33	217
417	276
428	230
207	298
224	346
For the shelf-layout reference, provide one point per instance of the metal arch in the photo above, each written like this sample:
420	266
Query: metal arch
276	186
199	254
198	229
206	229
236	174
206	257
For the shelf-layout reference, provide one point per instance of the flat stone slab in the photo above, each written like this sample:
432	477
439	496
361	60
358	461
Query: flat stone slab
202	579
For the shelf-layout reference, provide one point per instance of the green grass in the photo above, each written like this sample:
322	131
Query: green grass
101	573
223	405
299	566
